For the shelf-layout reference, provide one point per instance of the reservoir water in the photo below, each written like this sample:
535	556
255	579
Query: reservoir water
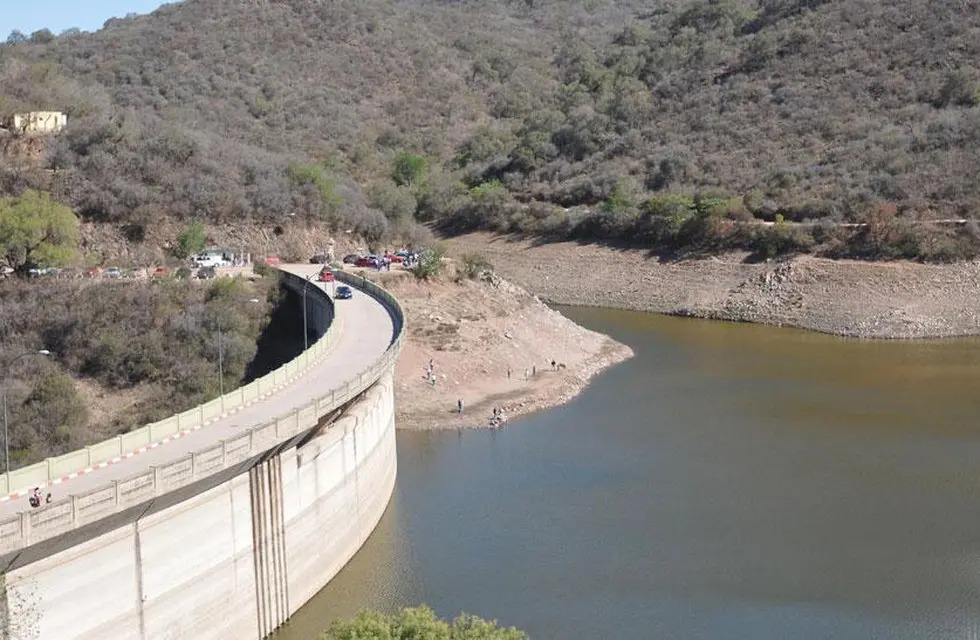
730	481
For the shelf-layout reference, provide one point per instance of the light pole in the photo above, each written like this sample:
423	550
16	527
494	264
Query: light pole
221	365
306	342
6	433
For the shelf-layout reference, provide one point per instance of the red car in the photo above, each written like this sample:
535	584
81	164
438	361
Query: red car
394	258
160	272
326	275
273	260
366	261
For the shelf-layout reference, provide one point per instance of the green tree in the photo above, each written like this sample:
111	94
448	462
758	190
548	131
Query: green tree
191	240
36	231
320	179
409	169
418	623
430	262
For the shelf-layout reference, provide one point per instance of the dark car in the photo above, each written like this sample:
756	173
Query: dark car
206	273
326	275
344	293
351	258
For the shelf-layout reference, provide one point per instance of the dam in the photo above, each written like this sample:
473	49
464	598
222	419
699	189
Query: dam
223	520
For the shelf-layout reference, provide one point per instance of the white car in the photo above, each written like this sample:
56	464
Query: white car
210	260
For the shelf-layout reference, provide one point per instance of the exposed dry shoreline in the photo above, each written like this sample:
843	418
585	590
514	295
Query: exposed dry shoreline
491	345
843	297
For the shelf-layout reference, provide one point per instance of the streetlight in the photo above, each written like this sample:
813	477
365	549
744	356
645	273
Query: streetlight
221	371
6	368
306	343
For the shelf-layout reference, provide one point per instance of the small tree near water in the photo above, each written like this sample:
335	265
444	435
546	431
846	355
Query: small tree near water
420	624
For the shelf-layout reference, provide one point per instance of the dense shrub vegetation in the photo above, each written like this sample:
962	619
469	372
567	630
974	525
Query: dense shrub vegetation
675	125
418	624
161	336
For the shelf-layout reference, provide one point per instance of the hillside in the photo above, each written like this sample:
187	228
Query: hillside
672	125
221	110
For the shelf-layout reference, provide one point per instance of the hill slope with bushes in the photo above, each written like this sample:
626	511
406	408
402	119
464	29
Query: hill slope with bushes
673	125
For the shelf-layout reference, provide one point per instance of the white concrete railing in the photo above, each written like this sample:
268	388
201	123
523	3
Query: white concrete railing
30	527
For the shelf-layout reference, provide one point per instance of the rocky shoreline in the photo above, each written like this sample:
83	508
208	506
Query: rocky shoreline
883	300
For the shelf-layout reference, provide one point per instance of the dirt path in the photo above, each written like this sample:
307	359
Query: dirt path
843	297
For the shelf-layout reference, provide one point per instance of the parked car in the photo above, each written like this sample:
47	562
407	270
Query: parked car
43	271
344	293
211	260
367	261
326	275
160	272
206	273
351	258
394	258
113	272
273	260
93	272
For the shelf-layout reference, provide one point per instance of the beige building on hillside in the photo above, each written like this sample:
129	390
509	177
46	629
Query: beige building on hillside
37	122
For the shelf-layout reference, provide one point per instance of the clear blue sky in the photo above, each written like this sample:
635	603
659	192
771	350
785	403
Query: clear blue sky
58	15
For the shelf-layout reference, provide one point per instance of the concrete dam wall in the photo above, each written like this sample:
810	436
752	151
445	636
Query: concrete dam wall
232	562
230	553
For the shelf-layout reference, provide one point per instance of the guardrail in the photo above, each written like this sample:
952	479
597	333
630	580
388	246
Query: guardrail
30	527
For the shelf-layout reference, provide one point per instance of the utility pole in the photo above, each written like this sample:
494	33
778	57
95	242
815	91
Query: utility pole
306	340
221	365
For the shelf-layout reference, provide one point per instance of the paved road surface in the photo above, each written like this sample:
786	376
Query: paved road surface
365	335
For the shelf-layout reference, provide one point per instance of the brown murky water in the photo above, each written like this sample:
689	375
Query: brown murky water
731	481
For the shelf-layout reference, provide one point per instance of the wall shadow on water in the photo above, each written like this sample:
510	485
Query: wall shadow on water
282	339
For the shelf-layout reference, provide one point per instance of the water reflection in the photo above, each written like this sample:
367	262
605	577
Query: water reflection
731	481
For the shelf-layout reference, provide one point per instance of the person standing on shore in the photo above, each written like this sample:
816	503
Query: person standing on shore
508	373
459	405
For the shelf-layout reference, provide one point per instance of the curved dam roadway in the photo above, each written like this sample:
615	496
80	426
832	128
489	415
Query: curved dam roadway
366	331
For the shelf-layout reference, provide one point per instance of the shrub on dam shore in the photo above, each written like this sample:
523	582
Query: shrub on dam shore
420	623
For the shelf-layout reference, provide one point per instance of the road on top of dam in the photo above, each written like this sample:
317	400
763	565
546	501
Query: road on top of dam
365	333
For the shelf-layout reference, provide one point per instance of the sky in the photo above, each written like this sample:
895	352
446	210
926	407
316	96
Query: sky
58	15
